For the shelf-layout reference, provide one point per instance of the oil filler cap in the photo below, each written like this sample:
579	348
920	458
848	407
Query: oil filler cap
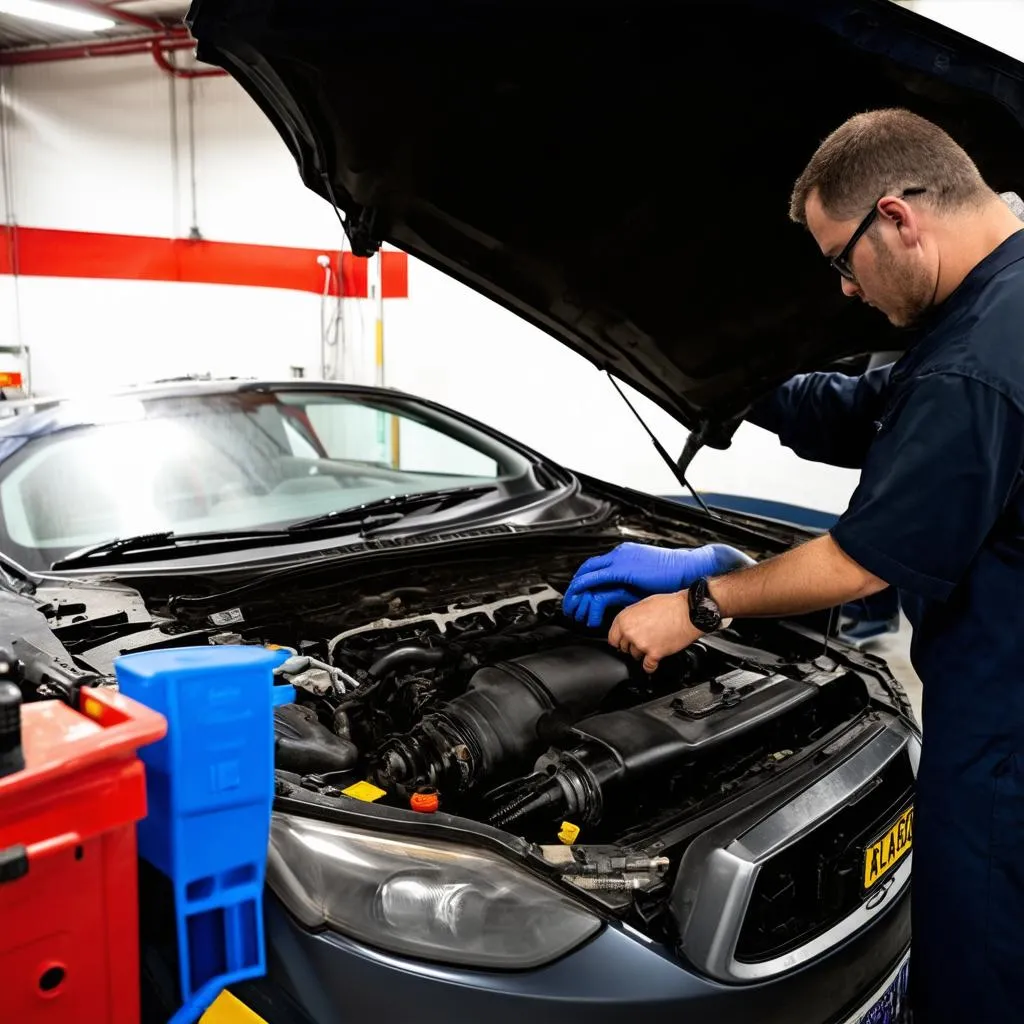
425	800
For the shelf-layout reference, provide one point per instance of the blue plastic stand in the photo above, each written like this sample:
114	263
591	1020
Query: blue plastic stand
284	693
209	785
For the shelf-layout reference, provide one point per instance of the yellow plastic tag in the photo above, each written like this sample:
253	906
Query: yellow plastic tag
93	708
568	833
365	791
227	1009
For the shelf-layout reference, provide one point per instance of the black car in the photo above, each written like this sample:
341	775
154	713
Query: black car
701	839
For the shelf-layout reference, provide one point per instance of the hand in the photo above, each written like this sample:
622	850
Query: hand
633	571
654	628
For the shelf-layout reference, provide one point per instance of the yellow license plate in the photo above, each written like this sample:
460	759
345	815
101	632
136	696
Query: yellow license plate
888	850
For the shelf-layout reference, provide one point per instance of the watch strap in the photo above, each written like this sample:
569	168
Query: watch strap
704	611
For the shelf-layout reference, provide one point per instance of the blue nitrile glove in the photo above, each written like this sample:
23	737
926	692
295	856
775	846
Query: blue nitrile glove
631	572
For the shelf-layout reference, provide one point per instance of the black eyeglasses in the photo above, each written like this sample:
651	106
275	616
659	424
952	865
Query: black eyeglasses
841	263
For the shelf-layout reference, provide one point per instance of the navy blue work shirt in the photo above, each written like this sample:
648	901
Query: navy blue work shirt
939	510
939	514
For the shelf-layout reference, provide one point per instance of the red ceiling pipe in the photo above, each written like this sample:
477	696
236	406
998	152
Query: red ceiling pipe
162	62
125	47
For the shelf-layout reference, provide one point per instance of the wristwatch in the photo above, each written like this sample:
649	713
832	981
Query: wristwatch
704	610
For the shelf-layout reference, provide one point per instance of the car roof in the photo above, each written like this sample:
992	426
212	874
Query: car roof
37	417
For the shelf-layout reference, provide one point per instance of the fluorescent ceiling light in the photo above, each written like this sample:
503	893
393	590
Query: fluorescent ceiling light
55	14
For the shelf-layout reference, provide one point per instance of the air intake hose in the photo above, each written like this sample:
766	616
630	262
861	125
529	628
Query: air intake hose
499	724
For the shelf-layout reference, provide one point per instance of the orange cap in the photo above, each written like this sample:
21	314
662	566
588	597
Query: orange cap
426	801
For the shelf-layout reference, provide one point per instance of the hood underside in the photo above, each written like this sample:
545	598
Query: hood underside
617	174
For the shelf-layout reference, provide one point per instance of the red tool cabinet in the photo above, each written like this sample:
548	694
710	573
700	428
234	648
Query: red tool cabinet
68	870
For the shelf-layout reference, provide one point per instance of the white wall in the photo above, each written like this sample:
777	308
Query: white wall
93	148
997	23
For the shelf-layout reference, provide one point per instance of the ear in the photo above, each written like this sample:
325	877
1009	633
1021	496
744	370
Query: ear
901	215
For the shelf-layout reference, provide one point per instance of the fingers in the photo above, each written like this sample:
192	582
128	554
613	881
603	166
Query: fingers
615	633
594	611
595	579
651	630
590	607
637	652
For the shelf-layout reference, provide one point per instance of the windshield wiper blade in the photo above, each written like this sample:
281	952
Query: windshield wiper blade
362	517
391	509
112	550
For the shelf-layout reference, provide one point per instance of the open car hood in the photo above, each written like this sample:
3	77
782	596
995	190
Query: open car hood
616	173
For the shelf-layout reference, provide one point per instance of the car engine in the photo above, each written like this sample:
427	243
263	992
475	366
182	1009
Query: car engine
506	713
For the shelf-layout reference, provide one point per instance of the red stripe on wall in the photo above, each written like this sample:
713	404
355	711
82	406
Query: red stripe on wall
45	252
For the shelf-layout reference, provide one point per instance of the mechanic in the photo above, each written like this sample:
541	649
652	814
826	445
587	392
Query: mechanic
904	216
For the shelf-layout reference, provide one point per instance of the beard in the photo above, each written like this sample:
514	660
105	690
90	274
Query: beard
909	291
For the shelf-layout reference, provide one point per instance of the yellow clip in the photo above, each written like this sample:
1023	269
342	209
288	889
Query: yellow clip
93	708
227	1009
568	833
364	791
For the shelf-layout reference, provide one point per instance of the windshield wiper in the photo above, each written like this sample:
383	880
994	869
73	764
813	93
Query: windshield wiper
391	509
360	517
112	550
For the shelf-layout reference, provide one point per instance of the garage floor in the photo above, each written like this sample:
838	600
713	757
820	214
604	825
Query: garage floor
895	648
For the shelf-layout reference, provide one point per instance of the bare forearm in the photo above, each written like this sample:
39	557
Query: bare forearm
809	578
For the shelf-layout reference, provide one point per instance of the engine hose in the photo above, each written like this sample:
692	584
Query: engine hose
500	723
409	654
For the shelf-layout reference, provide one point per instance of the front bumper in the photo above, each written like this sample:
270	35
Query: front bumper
615	978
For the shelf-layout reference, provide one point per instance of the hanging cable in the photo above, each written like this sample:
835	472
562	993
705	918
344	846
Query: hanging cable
175	159
828	630
339	340
194	232
326	373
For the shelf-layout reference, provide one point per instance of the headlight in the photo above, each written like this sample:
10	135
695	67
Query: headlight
438	901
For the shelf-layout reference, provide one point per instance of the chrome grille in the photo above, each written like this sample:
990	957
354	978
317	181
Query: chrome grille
720	896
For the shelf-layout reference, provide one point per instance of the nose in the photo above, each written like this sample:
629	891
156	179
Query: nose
850	288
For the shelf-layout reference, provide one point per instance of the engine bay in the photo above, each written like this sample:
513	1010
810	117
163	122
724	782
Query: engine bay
462	691
504	713
470	692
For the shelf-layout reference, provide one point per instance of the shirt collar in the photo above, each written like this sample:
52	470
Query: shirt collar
930	328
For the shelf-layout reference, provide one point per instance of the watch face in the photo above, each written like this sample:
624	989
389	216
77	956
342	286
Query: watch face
707	620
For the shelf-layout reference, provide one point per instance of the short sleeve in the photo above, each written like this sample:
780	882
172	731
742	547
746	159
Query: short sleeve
825	417
935	482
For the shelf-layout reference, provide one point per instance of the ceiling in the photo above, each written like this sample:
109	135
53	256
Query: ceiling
136	19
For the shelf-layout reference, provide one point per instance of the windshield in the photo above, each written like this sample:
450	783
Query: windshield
249	460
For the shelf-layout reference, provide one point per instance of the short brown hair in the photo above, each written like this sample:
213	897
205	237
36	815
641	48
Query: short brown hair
882	151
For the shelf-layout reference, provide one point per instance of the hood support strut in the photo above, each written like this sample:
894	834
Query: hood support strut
678	470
